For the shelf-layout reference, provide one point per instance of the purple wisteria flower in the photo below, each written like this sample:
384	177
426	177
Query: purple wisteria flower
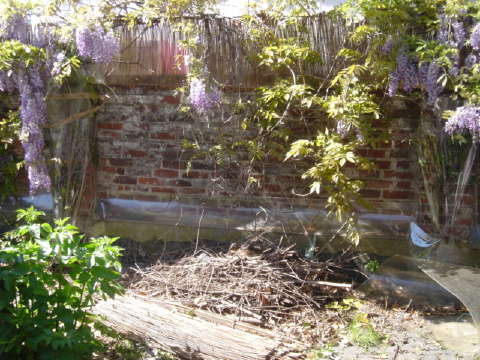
97	45
432	86
442	34
393	83
56	63
410	77
465	119
33	113
31	83
475	38
406	73
202	98
459	34
388	46
471	60
423	72
15	28
454	70
7	81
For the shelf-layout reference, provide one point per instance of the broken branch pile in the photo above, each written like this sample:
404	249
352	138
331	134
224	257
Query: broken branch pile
265	287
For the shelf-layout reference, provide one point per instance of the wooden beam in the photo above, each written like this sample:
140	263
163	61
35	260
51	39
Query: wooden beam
190	333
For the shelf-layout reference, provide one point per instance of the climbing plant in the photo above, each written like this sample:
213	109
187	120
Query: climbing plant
421	51
41	56
427	52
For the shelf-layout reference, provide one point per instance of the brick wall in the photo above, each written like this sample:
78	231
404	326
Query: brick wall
140	134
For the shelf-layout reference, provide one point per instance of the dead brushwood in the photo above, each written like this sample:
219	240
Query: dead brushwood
255	283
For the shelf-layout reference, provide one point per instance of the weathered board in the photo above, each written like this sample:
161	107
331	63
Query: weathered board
189	333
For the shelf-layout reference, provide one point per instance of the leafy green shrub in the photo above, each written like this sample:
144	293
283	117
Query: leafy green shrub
49	279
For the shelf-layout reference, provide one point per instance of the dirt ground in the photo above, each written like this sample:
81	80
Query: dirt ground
404	335
408	335
346	326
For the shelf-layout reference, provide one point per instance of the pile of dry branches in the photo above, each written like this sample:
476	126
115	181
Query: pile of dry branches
256	283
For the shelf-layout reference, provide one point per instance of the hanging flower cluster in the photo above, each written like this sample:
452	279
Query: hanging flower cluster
97	44
388	45
32	82
202	98
410	73
33	113
465	119
31	85
475	38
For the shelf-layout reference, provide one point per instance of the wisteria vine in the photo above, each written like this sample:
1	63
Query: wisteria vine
32	82
203	98
411	74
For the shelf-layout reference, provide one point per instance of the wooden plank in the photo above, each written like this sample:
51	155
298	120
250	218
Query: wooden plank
187	332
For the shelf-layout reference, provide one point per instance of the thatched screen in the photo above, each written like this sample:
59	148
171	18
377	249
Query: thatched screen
153	55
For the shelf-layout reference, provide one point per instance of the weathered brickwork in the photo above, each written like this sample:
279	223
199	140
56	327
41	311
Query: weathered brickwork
140	134
140	155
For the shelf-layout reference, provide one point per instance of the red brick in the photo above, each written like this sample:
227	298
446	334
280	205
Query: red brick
372	153
109	169
164	173
180	183
170	155
367	193
195	175
400	195
402	144
163	136
384	165
403	153
398	175
369	174
404	185
150	181
378	184
286	180
144	197
468	221
272	188
164	190
403	165
188	190
375	153
362	152
175	100
128	180
402	135
201	166
168	164
120	162
110	126
467	199
385	144
137	153
110	134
